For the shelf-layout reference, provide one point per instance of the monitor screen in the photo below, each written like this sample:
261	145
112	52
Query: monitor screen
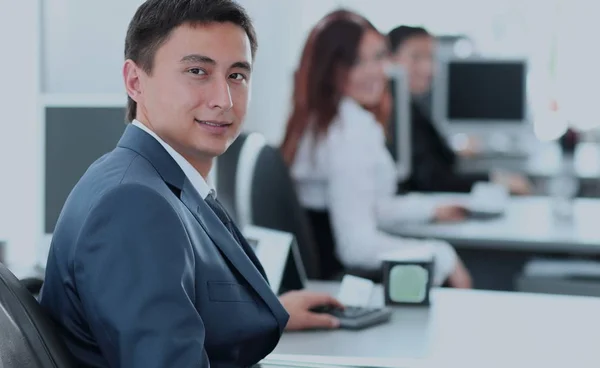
75	138
486	91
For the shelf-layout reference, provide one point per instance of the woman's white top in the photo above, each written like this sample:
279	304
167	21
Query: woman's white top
349	172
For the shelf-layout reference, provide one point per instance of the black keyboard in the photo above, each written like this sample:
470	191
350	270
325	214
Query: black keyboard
355	318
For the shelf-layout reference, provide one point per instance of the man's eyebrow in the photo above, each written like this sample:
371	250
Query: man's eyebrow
195	58
242	65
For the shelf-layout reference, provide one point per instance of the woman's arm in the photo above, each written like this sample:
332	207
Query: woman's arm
410	208
352	205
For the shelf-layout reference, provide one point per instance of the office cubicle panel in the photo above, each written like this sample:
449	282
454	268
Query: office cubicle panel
75	138
399	140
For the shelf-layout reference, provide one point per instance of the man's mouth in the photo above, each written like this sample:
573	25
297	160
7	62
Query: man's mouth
214	123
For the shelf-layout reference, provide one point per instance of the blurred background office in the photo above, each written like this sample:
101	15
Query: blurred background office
433	159
335	145
63	100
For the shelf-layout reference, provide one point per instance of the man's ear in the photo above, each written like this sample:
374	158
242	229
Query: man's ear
131	77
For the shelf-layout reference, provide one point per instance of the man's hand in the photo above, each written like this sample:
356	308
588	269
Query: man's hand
518	184
515	183
469	147
298	305
450	213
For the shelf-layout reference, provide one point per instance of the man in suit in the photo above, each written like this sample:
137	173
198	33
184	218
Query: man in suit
146	269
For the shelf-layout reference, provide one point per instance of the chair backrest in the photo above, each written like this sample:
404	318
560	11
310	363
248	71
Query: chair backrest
28	338
255	186
331	267
226	176
275	204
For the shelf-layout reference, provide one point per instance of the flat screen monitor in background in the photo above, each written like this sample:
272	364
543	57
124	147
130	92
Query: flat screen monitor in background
75	138
487	98
399	129
482	93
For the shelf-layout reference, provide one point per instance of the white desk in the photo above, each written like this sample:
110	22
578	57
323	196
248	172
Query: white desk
495	250
469	329
527	225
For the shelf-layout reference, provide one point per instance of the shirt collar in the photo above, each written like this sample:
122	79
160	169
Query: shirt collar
198	182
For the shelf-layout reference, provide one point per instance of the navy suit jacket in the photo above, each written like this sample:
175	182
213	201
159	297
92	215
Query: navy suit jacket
142	273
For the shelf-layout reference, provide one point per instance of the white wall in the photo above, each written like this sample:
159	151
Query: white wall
577	72
273	68
83	45
20	133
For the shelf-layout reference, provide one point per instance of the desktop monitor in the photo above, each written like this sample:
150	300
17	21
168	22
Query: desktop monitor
481	94
75	138
399	125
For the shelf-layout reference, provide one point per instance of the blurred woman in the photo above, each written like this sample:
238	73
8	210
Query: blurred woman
336	146
433	161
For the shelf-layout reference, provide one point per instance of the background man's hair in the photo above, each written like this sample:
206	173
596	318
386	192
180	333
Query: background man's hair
154	21
399	35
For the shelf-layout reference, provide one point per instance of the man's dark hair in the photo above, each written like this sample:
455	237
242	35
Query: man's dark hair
401	34
154	21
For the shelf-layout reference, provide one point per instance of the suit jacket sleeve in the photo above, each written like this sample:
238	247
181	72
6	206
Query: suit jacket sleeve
134	269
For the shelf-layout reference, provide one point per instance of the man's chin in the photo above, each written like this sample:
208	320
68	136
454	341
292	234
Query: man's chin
217	149
213	145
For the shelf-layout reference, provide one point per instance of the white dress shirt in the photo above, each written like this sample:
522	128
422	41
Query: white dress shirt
198	182
349	172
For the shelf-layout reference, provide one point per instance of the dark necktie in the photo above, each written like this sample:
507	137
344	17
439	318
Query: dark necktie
221	213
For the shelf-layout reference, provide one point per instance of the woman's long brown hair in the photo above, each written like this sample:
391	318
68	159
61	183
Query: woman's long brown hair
330	52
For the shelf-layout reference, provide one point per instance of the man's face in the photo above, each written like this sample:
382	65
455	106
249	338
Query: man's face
416	55
197	94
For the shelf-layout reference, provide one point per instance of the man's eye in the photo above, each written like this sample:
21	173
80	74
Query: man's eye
197	71
238	76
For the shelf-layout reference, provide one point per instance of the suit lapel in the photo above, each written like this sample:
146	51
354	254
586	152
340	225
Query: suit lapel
250	269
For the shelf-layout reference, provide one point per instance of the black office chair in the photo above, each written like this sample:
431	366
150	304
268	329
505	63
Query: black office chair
33	285
226	175
254	184
28	337
330	267
275	205
264	195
